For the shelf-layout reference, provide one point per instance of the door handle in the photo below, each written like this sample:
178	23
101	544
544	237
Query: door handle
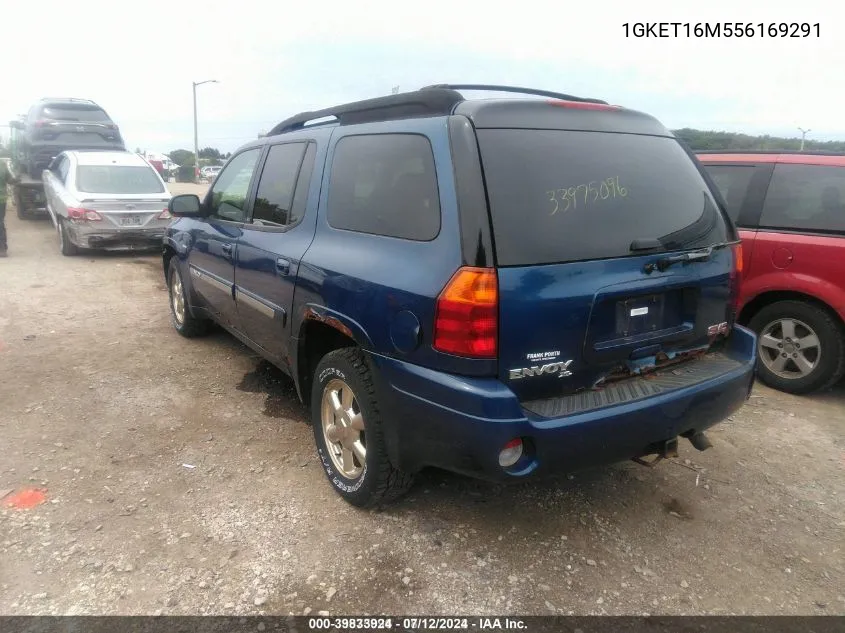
227	249
282	266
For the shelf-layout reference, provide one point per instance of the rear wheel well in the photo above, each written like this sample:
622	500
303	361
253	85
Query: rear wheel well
316	340
768	298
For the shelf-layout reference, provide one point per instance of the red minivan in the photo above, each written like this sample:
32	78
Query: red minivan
790	211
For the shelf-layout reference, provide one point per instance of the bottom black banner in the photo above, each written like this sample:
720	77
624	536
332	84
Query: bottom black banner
528	624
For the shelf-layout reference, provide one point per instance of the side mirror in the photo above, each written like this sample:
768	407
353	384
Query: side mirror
185	206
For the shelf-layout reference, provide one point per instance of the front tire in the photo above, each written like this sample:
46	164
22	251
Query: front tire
349	434
184	322
801	347
68	248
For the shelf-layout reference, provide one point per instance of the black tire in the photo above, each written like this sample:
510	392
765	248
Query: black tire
68	248
829	364
185	323
379	483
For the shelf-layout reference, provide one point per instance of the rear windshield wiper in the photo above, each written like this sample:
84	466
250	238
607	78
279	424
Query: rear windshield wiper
700	255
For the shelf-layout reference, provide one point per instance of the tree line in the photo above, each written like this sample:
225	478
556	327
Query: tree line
711	140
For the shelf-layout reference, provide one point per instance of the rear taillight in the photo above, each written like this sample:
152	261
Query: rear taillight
466	317
736	280
83	215
582	105
164	215
40	123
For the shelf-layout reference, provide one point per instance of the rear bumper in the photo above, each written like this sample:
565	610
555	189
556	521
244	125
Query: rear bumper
88	236
461	424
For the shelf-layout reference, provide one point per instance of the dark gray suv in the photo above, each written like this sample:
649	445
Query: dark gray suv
55	125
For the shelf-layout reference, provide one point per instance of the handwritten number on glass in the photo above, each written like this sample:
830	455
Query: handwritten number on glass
593	191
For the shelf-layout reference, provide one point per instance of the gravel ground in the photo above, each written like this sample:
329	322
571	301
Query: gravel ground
181	478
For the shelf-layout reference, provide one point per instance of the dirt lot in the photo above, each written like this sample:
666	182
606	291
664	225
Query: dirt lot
181	478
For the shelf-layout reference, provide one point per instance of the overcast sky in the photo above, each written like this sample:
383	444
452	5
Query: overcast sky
274	59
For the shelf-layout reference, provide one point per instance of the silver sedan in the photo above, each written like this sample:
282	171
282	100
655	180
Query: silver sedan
105	200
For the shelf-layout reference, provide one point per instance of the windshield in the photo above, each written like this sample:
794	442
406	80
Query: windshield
126	179
73	112
560	196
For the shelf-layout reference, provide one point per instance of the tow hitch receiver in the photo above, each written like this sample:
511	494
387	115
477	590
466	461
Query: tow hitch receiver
666	449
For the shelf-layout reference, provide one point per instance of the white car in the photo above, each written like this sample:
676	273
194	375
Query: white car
211	171
105	200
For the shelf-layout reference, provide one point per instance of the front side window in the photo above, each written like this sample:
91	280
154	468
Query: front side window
228	195
385	184
733	182
275	188
806	198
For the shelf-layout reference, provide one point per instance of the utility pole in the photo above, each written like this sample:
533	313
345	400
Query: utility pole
803	134
196	138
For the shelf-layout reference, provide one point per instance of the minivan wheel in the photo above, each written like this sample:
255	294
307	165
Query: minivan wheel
185	323
348	432
801	347
67	247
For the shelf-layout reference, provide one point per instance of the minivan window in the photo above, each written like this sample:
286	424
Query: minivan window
275	188
385	184
228	195
562	196
805	198
733	182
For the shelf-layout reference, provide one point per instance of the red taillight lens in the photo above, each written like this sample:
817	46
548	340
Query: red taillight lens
40	123
582	105
83	215
736	280
466	319
164	215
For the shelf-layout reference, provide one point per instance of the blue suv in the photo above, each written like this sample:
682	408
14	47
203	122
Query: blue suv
498	287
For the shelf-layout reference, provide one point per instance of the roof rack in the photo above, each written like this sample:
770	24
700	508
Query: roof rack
516	89
399	106
433	100
808	152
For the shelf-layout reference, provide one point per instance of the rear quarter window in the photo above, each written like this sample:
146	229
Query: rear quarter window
385	184
733	182
560	196
805	198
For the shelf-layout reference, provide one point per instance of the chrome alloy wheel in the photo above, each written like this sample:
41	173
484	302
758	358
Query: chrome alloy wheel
177	298
343	428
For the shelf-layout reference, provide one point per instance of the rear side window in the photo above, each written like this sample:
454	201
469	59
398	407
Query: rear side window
275	189
805	198
733	182
73	112
561	196
385	184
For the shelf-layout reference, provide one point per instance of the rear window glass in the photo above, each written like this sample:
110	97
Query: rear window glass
806	198
75	113
385	184
558	196
732	182
117	179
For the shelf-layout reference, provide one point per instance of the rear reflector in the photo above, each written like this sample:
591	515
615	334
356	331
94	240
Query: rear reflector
511	453
582	105
466	318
